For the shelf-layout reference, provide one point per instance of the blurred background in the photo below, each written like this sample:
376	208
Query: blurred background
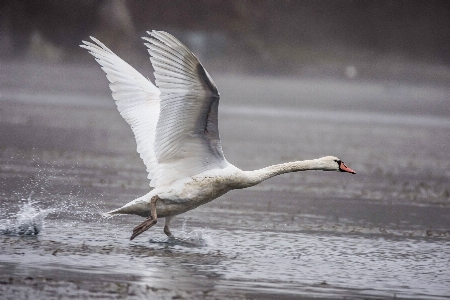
366	81
352	39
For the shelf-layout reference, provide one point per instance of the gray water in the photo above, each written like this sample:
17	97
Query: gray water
67	156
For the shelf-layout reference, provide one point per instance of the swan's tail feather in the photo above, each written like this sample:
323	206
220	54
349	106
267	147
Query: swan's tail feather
107	215
129	209
139	206
111	213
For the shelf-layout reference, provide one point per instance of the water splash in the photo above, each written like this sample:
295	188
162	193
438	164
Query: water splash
188	238
28	221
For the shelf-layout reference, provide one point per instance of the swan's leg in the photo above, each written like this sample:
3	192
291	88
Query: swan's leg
166	227
150	220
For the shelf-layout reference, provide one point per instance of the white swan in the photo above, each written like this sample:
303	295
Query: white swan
177	134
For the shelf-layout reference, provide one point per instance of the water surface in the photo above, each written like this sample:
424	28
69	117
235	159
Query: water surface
381	233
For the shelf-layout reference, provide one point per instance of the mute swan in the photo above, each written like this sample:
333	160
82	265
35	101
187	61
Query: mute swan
177	134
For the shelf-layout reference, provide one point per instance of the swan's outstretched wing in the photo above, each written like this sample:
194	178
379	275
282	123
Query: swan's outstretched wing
187	135
136	97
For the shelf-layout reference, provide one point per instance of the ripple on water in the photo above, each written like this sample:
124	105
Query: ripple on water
387	265
186	237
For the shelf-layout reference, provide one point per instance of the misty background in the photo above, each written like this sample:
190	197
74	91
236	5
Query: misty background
400	40
366	81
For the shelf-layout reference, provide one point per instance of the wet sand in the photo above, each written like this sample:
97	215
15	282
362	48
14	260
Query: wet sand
67	156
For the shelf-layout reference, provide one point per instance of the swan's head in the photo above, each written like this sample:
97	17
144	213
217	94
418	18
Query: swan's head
332	163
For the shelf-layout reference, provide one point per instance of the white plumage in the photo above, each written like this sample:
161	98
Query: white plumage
176	131
137	100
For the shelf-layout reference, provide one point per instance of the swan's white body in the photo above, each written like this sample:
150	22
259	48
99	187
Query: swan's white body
176	131
186	194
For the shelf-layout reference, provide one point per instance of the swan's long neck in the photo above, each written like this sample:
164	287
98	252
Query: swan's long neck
257	176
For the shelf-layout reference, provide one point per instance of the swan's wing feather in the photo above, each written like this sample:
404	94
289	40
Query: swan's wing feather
137	100
187	134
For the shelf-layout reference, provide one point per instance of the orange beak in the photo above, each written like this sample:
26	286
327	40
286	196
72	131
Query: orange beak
344	168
